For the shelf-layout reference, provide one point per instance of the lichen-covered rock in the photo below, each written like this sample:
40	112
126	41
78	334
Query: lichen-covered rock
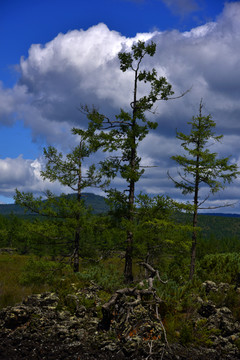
37	330
210	286
42	300
207	309
15	317
224	330
43	328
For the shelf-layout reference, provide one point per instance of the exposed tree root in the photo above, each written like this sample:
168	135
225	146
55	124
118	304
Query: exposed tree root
120	310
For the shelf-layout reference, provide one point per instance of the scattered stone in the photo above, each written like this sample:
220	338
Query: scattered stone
42	329
10	251
207	309
210	286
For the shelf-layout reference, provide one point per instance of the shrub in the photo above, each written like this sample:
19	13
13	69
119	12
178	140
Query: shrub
108	277
39	272
12	292
220	267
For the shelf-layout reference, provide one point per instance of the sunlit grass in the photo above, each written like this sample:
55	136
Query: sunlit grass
21	276
11	291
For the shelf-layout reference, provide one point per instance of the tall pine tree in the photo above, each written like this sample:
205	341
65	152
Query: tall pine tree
68	171
126	132
200	167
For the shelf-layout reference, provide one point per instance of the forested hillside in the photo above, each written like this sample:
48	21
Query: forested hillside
96	202
216	225
220	226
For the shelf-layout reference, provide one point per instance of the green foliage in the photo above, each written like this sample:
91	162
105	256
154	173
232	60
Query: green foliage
96	203
217	234
4	242
40	272
11	269
157	232
200	164
107	235
108	277
179	313
232	301
214	243
186	333
14	234
129	128
124	134
220	267
69	214
61	207
178	267
229	298
67	169
200	168
178	309
179	297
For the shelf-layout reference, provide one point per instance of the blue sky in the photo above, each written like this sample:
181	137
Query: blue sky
28	22
42	85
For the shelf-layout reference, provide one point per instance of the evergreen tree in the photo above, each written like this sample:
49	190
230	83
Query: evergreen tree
201	167
67	170
4	231
158	232
125	133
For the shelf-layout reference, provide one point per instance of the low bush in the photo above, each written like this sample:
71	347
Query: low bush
40	272
220	267
11	290
108	277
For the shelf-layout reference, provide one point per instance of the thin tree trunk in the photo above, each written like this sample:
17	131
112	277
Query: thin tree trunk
76	252
194	245
78	230
195	214
128	272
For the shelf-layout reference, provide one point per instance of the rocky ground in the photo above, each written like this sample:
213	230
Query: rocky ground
41	328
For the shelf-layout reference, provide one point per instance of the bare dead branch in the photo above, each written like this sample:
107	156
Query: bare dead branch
218	207
148	166
153	272
203	201
181	95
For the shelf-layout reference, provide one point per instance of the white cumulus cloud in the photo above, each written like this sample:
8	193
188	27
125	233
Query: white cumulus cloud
82	67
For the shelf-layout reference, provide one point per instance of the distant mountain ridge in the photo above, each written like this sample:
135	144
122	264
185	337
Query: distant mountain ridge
96	202
219	224
221	214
